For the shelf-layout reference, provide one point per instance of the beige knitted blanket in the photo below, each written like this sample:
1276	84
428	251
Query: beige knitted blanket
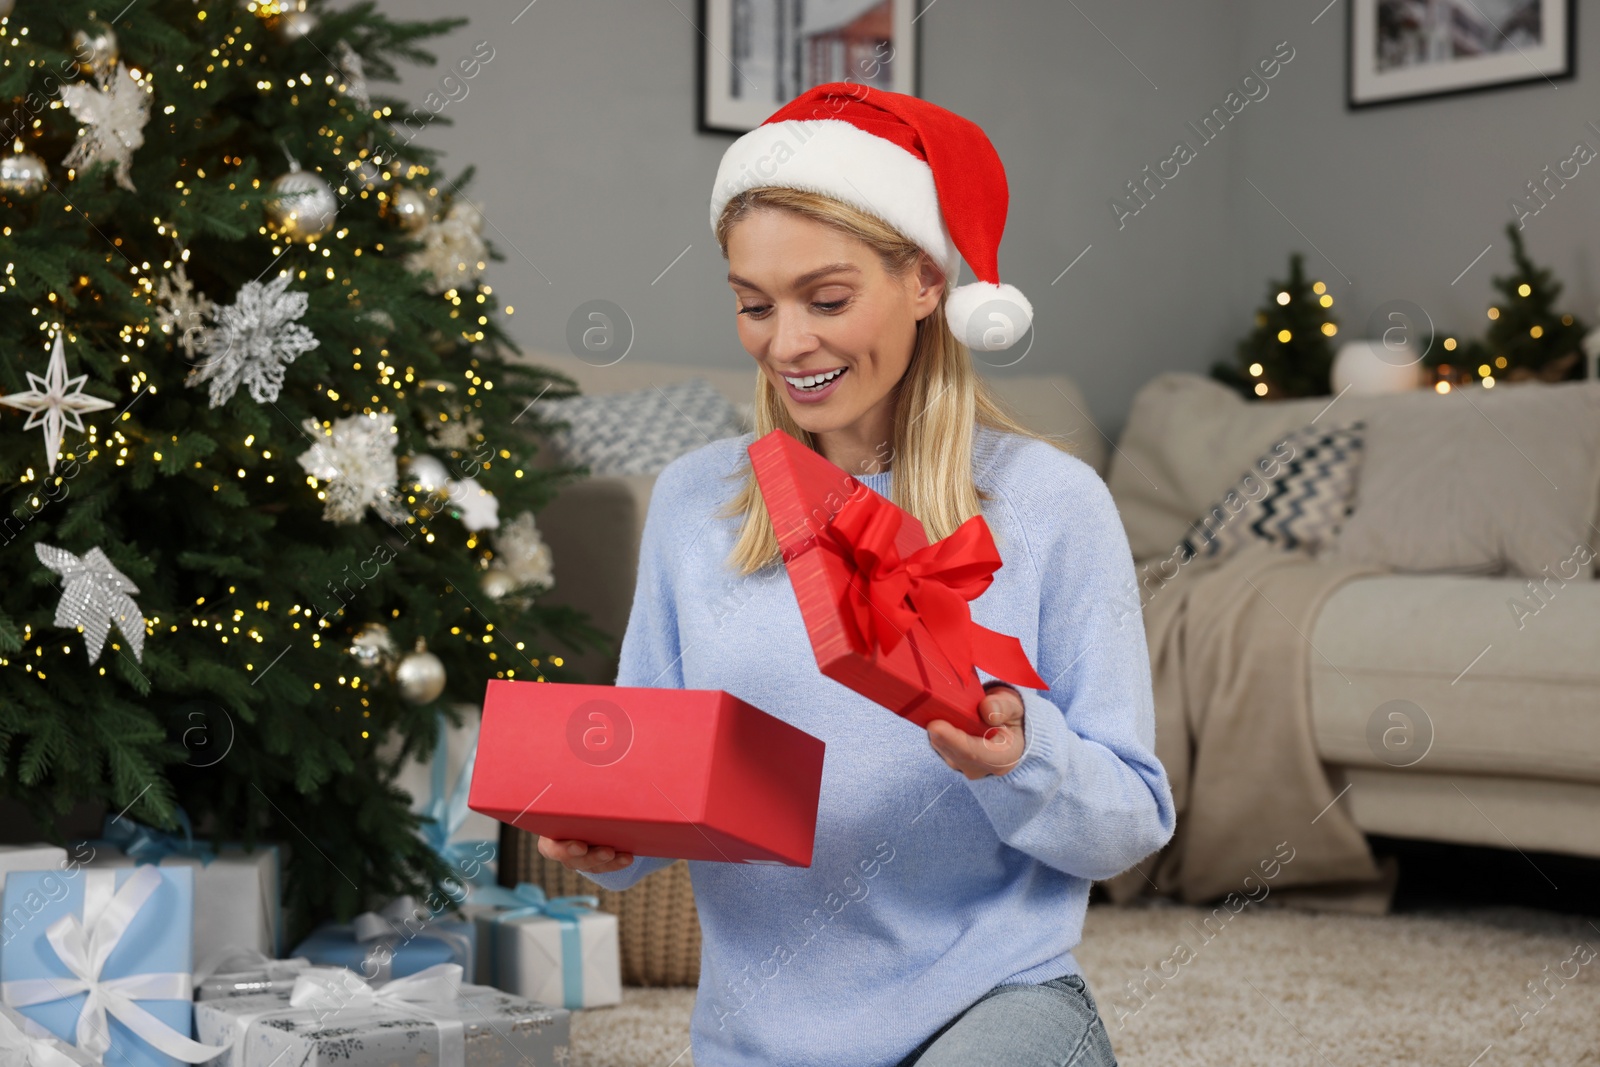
1230	648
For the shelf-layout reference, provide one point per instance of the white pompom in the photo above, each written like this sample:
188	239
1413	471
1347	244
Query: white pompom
988	317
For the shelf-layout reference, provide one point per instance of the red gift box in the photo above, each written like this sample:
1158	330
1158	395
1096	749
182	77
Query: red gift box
886	611
692	774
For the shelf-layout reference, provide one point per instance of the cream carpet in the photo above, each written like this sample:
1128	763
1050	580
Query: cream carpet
1276	987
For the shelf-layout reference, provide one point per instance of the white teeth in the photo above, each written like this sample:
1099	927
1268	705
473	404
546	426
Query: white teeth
812	380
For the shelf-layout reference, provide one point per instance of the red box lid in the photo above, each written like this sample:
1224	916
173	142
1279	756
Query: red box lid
804	492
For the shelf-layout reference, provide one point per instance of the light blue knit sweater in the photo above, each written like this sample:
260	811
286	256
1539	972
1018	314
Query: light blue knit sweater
925	888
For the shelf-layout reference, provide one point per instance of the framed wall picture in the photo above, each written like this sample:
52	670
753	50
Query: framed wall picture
757	55
1406	49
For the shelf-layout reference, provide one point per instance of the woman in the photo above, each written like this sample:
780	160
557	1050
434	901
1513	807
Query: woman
936	922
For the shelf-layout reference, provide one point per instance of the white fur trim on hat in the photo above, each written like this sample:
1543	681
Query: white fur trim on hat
834	158
988	317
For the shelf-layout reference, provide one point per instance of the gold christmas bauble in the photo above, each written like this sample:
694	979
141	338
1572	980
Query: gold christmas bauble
95	47
498	583
22	174
305	207
420	676
408	207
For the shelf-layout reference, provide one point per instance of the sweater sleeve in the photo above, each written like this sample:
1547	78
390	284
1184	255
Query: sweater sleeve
650	655
1088	796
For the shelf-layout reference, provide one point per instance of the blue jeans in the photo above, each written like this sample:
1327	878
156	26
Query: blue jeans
1052	1024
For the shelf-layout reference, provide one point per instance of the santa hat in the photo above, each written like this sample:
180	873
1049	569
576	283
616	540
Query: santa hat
928	172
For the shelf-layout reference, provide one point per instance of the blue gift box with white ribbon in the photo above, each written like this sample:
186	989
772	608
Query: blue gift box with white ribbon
396	941
238	899
126	937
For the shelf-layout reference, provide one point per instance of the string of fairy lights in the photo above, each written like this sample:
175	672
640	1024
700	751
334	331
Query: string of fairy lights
252	633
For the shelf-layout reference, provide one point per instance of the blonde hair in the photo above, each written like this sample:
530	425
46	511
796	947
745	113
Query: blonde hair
939	402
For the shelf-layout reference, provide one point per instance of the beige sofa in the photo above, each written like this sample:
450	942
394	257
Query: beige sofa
1515	760
1515	756
594	526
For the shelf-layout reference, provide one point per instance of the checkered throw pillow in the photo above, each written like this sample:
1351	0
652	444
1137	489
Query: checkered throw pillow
1296	496
642	431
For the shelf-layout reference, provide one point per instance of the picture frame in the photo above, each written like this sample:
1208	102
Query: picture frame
754	56
1405	50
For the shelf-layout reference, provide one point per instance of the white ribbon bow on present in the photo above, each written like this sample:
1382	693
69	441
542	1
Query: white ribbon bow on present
18	1049
430	992
84	946
384	930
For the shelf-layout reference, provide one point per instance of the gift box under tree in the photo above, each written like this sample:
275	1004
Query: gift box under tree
30	858
554	950
125	934
237	892
333	1018
243	973
657	925
400	939
24	1043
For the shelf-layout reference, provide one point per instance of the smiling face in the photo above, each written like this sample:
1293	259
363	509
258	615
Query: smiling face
827	324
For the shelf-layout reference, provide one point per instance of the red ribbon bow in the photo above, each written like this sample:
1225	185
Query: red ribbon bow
889	594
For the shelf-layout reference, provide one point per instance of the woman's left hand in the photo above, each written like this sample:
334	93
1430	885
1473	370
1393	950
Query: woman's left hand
1000	747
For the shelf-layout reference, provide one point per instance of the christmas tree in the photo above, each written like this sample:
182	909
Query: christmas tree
1527	337
1288	353
268	506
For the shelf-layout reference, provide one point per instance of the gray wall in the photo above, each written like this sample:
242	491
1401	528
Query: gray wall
1402	197
594	179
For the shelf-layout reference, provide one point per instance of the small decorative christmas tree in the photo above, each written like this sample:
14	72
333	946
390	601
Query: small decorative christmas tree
1288	353
1527	337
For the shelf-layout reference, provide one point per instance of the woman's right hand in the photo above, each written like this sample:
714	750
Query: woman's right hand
582	856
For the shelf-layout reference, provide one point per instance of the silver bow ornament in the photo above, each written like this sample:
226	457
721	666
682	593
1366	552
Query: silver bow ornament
94	595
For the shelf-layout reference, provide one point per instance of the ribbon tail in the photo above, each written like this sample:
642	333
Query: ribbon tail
159	1035
93	1034
571	962
949	623
1003	656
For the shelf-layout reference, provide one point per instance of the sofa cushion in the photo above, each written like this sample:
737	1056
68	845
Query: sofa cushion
1295	496
1505	672
1188	438
1482	481
641	431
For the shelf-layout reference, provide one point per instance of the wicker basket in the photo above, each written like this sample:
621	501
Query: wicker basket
658	930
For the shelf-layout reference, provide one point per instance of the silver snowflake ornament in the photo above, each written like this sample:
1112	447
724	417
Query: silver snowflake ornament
456	434
55	402
355	460
113	111
183	311
254	341
94	595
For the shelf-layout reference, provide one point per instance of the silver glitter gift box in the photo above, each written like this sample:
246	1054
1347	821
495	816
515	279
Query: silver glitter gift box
497	1030
244	976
